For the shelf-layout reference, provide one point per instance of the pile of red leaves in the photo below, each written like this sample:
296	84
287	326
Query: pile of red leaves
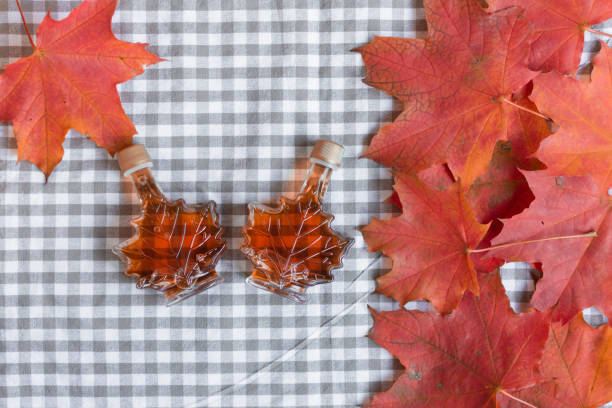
473	146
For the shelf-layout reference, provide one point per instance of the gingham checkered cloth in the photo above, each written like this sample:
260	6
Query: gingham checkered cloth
248	87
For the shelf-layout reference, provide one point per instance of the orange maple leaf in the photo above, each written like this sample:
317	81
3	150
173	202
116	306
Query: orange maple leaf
560	27
466	359
456	86
429	244
576	369
583	145
69	82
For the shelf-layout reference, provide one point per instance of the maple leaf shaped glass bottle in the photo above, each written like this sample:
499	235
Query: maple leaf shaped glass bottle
292	246
176	246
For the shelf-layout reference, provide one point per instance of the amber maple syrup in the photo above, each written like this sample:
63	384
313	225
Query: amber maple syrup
176	246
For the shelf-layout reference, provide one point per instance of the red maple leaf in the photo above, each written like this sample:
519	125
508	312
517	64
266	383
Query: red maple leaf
576	366
440	178
502	191
455	85
583	145
576	268
437	177
560	27
69	82
429	244
467	359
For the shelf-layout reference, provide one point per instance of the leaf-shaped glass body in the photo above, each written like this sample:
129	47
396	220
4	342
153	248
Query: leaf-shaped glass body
175	247
292	246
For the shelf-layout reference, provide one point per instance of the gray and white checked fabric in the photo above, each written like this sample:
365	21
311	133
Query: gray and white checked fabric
248	87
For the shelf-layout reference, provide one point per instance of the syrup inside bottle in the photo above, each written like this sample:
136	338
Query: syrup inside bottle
176	246
292	246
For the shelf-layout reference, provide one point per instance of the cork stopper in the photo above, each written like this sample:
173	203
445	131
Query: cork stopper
132	158
327	153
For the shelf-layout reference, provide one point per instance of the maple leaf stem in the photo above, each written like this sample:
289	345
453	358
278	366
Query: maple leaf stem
525	109
25	24
517	399
587	235
598	32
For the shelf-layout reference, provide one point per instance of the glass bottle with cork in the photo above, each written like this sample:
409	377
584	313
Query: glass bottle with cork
292	245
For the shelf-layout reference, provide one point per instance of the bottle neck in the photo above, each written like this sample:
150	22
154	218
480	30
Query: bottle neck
317	179
145	184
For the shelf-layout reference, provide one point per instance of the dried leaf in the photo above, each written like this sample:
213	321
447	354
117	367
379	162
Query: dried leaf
576	270
560	27
428	244
502	191
576	369
465	359
69	82
583	145
453	84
